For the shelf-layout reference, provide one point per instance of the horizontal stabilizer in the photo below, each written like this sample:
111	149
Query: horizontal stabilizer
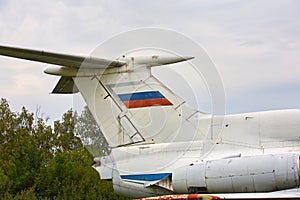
157	60
65	85
66	60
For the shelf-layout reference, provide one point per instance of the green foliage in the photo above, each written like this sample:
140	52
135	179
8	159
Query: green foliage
90	133
41	162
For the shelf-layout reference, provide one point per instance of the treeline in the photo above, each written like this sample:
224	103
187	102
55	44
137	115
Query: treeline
39	161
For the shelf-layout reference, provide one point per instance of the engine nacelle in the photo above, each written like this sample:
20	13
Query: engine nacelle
262	173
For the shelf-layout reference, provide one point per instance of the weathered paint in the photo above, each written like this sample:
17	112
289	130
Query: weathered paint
145	177
183	197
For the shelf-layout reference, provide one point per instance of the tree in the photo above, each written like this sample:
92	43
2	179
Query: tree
20	157
41	162
90	133
65	132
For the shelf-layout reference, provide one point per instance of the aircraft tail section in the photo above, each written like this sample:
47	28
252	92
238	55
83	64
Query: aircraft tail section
132	106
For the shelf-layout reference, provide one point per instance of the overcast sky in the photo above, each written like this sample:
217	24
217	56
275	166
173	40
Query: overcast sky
255	45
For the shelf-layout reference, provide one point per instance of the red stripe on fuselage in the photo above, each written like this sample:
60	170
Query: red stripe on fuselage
147	103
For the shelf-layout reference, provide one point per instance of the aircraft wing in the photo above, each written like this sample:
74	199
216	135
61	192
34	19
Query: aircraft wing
66	60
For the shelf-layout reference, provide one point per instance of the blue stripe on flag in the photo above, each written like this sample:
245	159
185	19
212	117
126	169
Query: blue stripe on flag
141	96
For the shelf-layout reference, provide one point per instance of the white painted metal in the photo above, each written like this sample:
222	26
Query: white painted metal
175	148
263	173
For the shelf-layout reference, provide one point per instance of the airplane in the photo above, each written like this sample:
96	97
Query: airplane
163	148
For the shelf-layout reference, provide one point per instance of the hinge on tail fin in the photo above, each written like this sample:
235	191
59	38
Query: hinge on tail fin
130	130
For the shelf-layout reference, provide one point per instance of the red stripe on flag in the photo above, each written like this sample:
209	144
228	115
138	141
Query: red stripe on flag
147	103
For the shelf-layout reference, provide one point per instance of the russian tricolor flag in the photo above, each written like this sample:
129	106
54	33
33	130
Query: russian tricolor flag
144	99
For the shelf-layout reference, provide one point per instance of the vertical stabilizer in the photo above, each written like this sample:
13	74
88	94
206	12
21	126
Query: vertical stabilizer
132	106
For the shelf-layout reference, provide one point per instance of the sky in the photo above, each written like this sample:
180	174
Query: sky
255	45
